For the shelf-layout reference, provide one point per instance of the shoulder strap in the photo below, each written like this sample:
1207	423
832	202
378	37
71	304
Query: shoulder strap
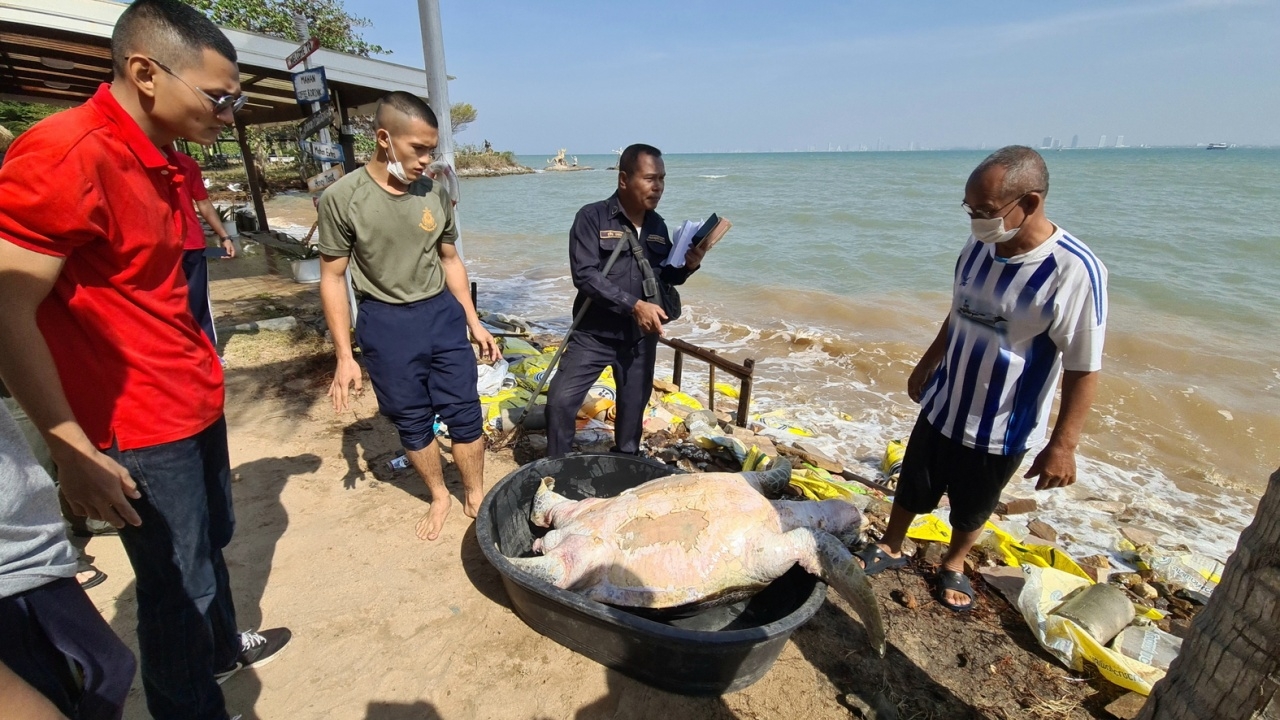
650	282
617	250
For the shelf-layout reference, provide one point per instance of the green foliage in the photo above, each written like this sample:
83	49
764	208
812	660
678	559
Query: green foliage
329	21
469	157
17	117
461	115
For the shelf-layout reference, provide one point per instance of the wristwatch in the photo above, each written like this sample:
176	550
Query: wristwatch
225	238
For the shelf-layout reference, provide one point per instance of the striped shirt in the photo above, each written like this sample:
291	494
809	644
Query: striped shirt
1015	324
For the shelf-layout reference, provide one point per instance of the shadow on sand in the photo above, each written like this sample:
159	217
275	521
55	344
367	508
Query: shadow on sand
256	489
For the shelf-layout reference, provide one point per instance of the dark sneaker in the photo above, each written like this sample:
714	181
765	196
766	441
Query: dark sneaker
256	649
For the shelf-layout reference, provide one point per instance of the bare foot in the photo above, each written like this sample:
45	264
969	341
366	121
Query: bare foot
430	525
472	506
955	597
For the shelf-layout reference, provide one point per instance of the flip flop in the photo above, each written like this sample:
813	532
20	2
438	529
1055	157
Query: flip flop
94	580
952	580
874	560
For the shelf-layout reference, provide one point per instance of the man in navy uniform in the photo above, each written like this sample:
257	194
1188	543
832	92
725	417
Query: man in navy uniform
621	328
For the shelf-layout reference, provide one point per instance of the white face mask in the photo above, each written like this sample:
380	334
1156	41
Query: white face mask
991	230
395	168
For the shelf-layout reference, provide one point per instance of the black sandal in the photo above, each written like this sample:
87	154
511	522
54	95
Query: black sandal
952	580
874	560
97	578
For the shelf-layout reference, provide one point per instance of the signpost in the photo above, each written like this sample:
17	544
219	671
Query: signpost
303	52
309	86
322	151
316	183
322	119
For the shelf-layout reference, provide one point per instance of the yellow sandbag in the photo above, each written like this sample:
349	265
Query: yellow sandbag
817	484
727	390
891	464
1041	595
515	347
680	398
934	529
594	406
529	371
930	528
506	399
1016	553
605	386
778	421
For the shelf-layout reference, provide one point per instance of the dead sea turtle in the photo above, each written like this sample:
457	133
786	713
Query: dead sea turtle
697	540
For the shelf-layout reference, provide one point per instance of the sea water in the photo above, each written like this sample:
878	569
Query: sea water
837	274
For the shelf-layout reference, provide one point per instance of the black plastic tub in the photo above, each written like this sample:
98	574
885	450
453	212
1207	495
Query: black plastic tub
710	652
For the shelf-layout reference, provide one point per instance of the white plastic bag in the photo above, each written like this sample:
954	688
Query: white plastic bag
492	378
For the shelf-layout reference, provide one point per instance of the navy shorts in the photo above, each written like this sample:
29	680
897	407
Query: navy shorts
935	464
49	629
421	364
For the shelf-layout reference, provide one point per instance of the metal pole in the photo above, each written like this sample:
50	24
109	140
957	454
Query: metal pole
437	78
438	90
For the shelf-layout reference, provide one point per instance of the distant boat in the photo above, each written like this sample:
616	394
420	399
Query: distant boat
1216	146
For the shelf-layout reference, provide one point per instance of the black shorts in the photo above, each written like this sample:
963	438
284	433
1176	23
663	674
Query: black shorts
935	464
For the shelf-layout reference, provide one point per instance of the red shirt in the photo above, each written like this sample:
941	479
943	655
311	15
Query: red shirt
88	185
191	190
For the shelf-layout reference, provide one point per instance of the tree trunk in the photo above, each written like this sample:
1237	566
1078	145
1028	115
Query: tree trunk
1229	667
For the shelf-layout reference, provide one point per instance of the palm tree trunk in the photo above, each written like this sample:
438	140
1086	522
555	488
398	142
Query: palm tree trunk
1229	667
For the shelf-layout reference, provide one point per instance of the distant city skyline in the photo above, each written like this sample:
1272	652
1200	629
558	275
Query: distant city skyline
692	77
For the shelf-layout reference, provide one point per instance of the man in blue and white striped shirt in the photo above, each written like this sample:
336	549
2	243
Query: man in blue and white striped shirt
1029	303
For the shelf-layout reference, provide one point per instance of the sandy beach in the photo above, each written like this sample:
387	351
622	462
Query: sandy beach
390	627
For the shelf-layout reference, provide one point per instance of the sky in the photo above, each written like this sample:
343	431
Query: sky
700	76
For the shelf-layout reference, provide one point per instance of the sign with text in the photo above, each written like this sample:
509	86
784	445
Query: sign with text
324	152
316	183
314	123
303	52
310	86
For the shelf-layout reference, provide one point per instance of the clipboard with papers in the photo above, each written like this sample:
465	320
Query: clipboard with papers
693	233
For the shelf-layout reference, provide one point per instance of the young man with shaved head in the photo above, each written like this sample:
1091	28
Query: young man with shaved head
1029	304
393	227
99	347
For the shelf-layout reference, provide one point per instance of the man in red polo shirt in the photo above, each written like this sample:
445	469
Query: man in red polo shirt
100	349
194	264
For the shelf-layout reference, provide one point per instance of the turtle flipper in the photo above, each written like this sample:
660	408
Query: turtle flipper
773	482
832	561
547	568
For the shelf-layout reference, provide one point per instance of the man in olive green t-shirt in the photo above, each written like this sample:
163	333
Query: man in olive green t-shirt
394	229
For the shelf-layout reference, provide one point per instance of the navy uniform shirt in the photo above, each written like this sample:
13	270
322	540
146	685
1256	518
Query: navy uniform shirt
597	230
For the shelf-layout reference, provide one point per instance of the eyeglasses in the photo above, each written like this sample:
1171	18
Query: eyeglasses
985	215
220	104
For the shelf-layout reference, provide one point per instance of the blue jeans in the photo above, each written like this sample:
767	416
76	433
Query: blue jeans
186	618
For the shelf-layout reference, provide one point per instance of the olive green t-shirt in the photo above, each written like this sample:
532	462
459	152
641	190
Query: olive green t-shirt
393	240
